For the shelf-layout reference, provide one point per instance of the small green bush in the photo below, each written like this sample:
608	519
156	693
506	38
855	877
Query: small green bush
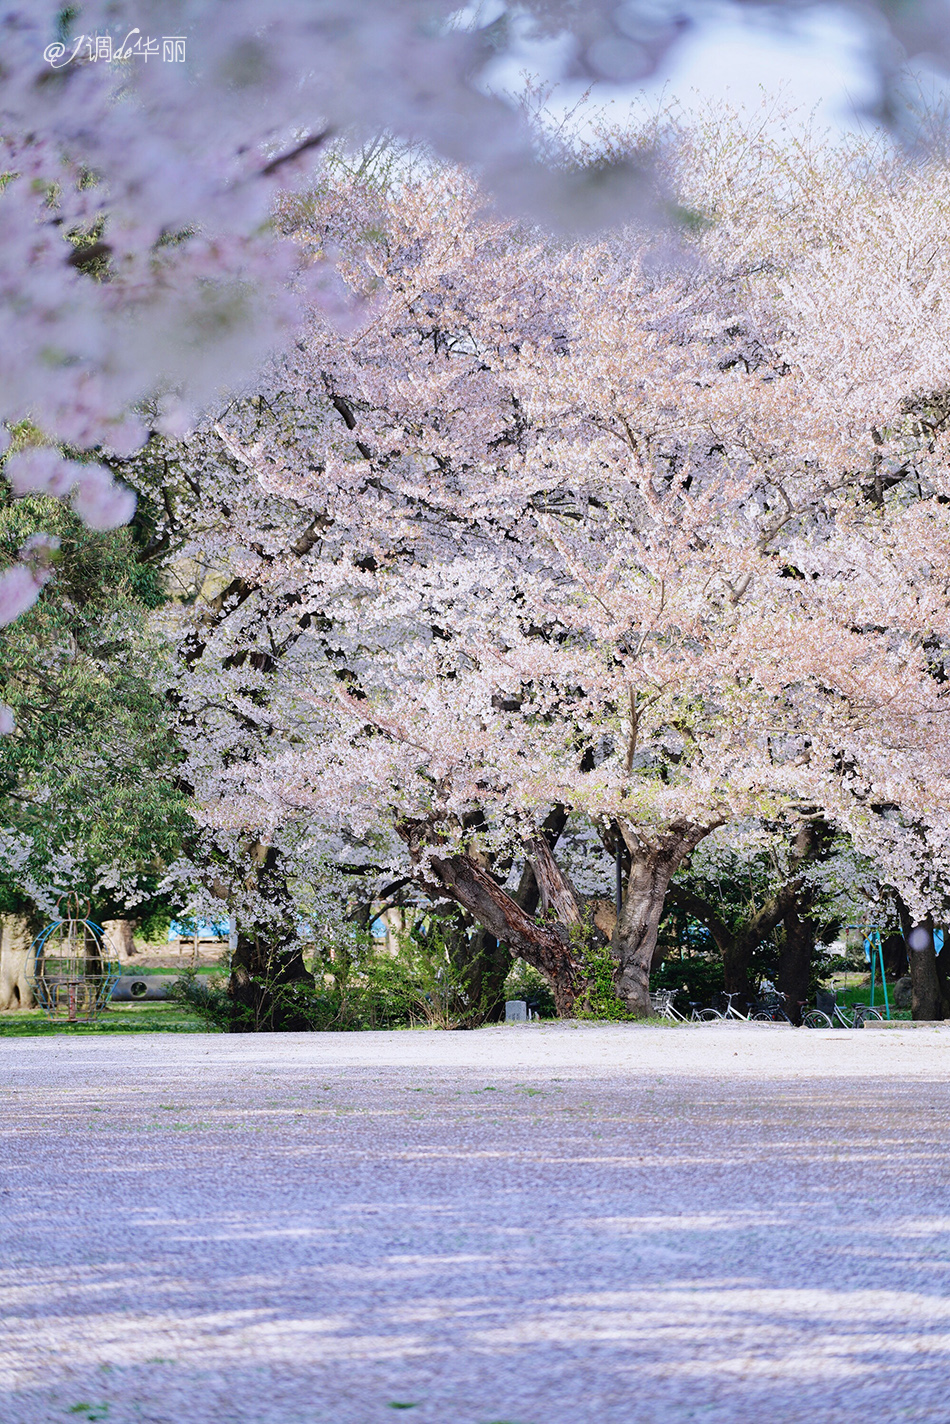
599	999
527	983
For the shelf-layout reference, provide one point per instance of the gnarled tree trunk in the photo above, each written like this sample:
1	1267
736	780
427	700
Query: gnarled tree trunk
554	946
485	960
653	863
464	879
546	948
121	937
16	935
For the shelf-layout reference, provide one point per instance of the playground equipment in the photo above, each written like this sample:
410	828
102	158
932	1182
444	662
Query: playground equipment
874	955
71	967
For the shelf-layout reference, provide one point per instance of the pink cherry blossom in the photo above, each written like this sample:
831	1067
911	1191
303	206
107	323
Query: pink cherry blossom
19	590
42	469
99	500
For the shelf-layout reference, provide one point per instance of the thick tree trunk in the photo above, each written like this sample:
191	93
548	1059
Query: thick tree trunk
121	938
652	865
557	895
546	948
795	957
262	967
927	1000
536	887
508	925
16	935
736	964
93	954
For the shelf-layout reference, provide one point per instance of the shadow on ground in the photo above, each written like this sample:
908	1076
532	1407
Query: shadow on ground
324	1246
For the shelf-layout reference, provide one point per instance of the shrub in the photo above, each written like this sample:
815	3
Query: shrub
527	983
358	986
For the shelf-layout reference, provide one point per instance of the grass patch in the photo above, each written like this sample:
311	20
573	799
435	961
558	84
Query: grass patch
860	993
154	1017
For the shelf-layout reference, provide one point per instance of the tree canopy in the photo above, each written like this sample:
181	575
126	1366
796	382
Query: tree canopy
89	800
596	530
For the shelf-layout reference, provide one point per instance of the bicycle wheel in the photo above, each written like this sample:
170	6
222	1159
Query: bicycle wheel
868	1014
763	1016
711	1016
816	1019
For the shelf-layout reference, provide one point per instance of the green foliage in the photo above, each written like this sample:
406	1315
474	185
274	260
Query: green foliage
358	986
696	978
87	779
155	924
437	954
599	998
525	982
208	1001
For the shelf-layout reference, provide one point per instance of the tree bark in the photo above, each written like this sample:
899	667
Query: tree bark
927	1001
653	863
120	935
547	949
508	925
487	960
17	933
557	894
795	957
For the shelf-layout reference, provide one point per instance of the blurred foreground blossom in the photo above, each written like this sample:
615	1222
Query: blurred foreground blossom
20	585
19	590
140	263
100	501
137	254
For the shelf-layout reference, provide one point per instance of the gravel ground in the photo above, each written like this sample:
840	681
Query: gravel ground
542	1224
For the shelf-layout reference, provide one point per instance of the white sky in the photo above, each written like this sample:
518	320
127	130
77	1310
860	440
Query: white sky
820	64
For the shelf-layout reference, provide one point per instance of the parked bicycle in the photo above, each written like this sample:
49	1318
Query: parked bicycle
661	1002
854	1017
757	1014
771	1007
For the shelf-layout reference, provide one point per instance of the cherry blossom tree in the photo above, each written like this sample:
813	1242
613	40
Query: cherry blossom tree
141	271
567	528
140	262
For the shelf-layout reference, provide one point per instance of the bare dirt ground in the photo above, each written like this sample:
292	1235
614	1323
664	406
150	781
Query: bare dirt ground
543	1224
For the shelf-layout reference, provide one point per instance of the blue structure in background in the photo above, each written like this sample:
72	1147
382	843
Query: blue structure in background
205	929
874	955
